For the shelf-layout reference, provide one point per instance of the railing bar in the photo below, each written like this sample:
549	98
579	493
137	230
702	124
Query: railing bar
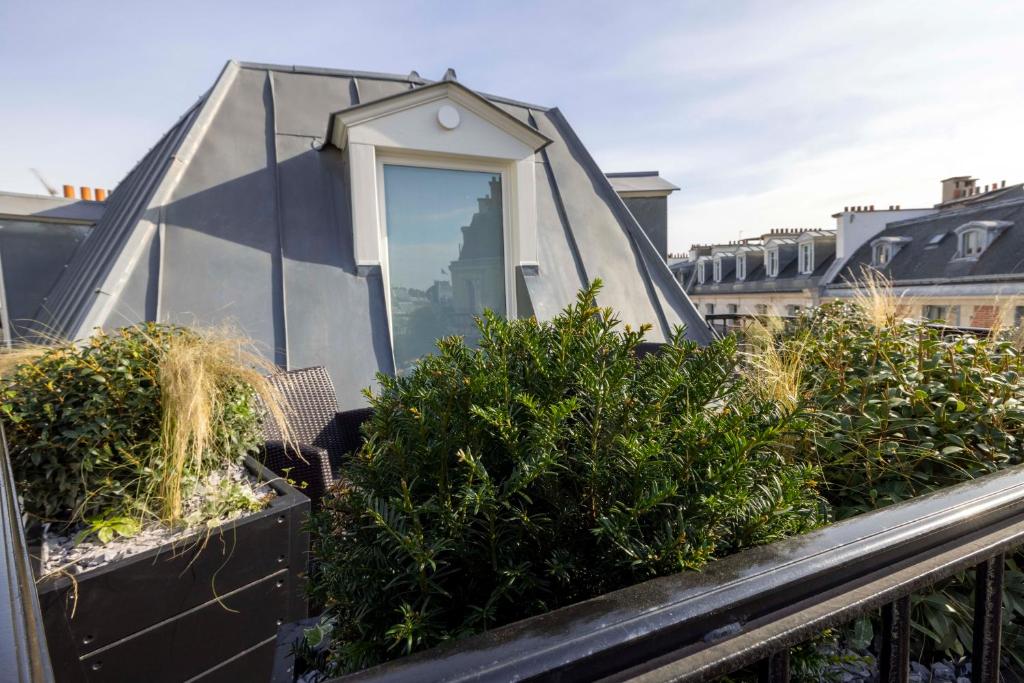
894	663
774	668
988	620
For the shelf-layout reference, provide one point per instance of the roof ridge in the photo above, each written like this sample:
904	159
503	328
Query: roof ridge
380	76
959	211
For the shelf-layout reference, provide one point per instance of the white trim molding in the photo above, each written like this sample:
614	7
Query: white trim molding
418	128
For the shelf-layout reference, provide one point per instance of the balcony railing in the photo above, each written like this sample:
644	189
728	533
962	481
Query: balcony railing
752	607
747	609
724	323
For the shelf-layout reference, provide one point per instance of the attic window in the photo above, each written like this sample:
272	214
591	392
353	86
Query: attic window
741	267
718	269
701	275
884	249
807	258
975	237
771	262
972	243
881	254
936	240
445	254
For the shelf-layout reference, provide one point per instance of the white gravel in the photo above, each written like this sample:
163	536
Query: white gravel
60	553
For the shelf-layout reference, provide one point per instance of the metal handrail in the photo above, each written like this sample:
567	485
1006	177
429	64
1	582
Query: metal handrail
23	653
751	607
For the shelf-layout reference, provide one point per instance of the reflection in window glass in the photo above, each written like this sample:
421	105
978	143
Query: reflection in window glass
446	257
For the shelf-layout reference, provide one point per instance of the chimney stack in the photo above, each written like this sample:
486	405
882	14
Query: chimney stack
957	187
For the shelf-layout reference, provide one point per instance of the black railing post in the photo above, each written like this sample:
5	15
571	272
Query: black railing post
774	668
894	664
988	620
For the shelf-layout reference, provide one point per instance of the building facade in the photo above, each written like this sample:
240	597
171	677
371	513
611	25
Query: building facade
960	262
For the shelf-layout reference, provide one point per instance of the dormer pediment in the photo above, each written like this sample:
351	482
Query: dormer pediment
444	117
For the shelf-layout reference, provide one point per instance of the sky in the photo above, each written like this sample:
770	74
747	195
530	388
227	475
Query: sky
766	114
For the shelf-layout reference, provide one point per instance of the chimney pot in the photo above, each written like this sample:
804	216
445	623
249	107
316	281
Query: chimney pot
1003	184
86	193
101	194
872	208
69	191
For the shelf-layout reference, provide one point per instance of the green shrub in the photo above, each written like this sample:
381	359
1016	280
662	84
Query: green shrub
88	426
891	410
897	410
545	467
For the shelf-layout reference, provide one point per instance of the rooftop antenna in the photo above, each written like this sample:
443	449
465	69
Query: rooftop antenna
50	189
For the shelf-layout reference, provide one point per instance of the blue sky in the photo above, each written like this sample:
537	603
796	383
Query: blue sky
767	114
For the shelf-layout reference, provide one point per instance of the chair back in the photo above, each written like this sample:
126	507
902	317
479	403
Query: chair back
311	405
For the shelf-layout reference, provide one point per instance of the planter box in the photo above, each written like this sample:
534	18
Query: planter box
186	612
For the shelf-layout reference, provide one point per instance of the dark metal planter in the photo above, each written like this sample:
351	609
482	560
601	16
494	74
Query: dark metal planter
192	611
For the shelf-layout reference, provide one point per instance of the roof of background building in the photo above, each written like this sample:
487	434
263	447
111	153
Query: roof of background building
49	209
928	256
241	212
789	278
640	182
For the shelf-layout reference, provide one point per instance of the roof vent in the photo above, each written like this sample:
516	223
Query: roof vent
449	75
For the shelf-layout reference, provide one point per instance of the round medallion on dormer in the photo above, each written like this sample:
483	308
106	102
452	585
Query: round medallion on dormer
448	117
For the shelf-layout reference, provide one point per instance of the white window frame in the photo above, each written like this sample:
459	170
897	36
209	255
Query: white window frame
980	235
450	163
717	270
881	254
702	275
771	262
741	266
806	258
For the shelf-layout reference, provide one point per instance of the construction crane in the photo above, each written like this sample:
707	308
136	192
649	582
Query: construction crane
50	189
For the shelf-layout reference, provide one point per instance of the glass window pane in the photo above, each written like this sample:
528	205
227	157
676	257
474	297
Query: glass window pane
446	255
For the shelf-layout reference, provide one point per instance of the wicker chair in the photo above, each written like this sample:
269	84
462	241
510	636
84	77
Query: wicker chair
323	436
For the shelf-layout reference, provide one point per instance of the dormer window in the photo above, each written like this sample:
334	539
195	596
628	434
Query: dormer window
741	267
881	255
972	243
974	238
807	258
443	203
718	269
701	274
771	262
884	249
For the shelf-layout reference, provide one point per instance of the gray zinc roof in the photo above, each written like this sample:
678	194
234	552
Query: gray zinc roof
789	278
240	212
929	245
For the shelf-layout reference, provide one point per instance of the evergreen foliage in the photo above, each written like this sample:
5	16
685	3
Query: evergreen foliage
891	409
548	465
87	427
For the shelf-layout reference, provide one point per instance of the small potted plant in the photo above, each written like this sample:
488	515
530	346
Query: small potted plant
155	526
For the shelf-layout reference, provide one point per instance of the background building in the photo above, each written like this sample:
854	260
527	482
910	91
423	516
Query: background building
960	261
